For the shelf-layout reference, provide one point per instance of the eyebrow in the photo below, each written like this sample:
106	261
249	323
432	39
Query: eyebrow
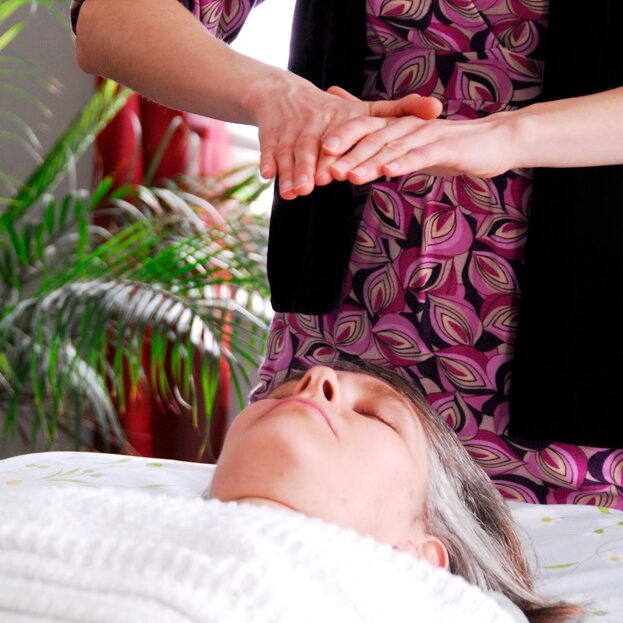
385	390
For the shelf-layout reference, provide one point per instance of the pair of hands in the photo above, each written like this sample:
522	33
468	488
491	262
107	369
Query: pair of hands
311	137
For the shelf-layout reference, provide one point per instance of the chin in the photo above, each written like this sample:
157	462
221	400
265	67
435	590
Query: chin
265	465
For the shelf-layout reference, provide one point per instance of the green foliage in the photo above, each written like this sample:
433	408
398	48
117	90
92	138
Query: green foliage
174	283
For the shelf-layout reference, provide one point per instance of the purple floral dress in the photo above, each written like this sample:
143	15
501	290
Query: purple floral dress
432	285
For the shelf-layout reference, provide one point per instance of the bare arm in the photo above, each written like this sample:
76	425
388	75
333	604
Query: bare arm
160	50
574	132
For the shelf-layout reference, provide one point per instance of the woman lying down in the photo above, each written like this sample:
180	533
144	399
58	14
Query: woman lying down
340	497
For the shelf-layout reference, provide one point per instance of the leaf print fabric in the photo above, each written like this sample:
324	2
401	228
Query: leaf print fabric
432	286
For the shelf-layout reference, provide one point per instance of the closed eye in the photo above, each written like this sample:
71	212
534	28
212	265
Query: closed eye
373	414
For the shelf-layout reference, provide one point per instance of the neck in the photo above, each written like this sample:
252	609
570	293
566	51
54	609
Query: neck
259	501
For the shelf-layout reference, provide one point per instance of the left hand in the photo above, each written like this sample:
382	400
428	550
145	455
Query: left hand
373	147
378	114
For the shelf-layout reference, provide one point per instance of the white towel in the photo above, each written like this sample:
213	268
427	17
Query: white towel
108	555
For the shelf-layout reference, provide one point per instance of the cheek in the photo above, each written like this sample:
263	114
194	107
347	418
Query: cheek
391	472
244	420
277	455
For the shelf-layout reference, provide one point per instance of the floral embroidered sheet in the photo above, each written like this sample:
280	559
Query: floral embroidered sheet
577	550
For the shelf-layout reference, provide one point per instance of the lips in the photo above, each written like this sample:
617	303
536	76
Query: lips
309	403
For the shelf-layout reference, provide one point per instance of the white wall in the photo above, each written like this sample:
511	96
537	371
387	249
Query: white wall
45	42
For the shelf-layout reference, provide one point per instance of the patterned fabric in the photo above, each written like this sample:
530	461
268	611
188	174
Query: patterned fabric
432	287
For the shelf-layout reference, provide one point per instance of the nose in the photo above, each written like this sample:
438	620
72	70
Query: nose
319	383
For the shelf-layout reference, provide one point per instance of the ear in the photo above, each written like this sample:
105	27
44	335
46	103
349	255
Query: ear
434	552
430	549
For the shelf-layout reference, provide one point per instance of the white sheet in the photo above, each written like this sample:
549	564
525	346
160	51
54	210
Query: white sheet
578	550
111	555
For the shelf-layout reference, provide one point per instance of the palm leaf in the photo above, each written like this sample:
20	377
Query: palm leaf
81	306
149	277
72	143
10	34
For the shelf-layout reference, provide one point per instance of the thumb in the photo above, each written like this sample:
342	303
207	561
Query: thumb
413	104
343	93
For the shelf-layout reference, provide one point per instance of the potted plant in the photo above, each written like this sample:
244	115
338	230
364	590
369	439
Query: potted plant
174	283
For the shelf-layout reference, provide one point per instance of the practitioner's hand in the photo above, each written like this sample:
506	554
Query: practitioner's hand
293	122
379	114
365	149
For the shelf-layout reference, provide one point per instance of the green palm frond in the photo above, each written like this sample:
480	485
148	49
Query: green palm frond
10	34
173	284
80	301
72	143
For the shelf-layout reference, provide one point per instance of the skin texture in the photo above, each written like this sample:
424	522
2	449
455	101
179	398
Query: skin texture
306	134
341	446
191	70
576	132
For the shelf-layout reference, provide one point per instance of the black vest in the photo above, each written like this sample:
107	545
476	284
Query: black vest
567	366
568	363
311	237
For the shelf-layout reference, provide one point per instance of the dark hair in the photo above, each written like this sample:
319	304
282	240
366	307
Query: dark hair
466	512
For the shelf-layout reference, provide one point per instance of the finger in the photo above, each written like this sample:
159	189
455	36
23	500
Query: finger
268	164
341	138
423	158
377	165
323	169
284	157
365	174
380	147
423	107
343	93
306	150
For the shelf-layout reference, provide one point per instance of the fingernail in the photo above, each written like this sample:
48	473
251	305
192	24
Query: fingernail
285	187
340	169
265	172
301	180
332	143
359	171
323	176
391	167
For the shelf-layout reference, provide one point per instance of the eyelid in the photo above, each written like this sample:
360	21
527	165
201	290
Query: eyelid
372	413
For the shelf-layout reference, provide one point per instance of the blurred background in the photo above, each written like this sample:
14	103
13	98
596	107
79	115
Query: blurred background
133	296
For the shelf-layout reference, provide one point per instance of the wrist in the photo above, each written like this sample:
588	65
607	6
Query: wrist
529	138
264	88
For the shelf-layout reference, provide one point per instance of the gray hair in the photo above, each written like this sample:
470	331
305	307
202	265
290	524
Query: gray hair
468	515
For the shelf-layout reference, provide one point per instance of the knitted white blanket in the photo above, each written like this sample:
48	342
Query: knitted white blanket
108	555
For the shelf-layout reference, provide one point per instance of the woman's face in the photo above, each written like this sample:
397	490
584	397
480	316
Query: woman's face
342	446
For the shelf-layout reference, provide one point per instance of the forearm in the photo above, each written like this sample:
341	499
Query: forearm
576	132
159	49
